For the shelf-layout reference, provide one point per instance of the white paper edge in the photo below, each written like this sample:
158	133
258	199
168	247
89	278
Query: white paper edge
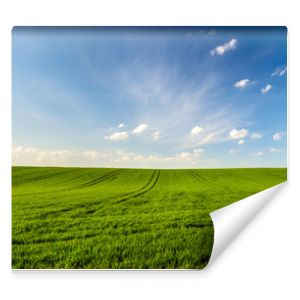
230	220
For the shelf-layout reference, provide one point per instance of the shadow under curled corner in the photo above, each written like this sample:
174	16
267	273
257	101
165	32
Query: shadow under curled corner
229	221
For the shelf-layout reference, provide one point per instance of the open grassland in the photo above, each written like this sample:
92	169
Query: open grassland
123	218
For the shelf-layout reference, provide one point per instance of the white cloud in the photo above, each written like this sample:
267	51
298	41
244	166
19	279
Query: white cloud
278	136
276	150
59	156
121	125
185	155
221	49
198	151
19	148
196	130
32	156
156	135
259	153
233	151
182	159
256	136
241	142
266	89
279	71
118	136
193	156
110	158
241	84
91	154
30	150
238	134
140	129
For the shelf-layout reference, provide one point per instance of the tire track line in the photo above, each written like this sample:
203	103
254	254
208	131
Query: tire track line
149	186
39	177
105	177
93	205
201	179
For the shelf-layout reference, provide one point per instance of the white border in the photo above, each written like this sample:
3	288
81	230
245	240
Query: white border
263	262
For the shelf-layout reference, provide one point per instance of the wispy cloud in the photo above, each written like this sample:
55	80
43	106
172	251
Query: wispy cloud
172	106
222	49
121	125
256	136
275	150
279	71
259	153
233	151
209	138
156	135
266	89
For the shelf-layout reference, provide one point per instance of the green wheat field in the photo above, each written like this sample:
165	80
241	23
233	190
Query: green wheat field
97	218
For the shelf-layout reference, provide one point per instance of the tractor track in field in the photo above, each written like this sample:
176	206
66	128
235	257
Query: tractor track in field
39	177
146	188
92	206
103	178
201	179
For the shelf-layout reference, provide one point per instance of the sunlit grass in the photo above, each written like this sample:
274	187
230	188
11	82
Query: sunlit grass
123	218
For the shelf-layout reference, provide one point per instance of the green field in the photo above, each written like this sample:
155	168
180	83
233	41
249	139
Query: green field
123	218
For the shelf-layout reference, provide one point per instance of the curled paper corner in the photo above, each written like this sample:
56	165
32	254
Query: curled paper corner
229	221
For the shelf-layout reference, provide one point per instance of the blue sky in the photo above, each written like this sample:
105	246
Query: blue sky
172	97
